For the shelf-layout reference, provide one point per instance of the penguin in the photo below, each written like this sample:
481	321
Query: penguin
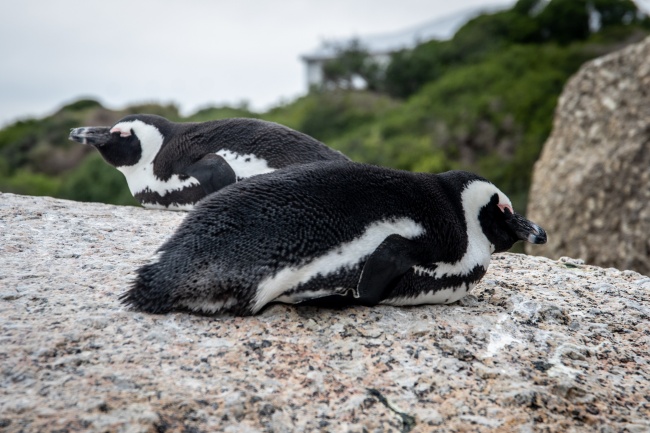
172	166
332	233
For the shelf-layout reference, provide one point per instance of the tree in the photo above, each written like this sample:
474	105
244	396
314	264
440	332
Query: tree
565	21
616	12
526	7
352	63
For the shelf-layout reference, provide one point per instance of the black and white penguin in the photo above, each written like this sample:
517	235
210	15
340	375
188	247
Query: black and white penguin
173	165
336	231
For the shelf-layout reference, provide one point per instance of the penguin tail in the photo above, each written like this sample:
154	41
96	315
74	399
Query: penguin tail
145	295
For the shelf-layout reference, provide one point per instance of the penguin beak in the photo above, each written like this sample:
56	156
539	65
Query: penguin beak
524	229
95	136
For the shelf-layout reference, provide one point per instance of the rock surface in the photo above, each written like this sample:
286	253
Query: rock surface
591	185
540	345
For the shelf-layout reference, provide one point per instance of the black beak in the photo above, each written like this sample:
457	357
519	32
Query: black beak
524	229
95	135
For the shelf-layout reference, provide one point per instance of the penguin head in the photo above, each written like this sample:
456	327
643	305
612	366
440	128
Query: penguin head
134	140
489	212
503	227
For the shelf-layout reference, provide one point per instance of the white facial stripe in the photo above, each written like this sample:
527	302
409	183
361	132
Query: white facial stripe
140	176
151	139
344	256
245	165
123	132
479	248
444	296
503	207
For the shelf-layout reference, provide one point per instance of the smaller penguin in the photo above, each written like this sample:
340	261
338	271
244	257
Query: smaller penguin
174	165
332	233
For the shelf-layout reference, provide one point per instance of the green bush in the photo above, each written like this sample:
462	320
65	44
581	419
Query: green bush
81	105
96	181
28	183
327	115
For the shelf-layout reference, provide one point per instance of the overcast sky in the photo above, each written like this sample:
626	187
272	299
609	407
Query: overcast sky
192	52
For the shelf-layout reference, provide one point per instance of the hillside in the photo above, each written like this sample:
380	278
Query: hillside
482	101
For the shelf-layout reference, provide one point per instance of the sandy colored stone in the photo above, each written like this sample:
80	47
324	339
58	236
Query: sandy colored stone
591	185
540	345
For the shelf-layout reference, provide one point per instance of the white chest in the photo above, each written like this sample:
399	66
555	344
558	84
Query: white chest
142	178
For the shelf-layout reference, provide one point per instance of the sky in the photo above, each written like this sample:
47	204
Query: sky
194	53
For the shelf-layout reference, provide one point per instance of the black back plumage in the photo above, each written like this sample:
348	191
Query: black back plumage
279	145
252	230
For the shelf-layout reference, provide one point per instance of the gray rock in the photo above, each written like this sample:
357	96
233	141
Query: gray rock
540	346
591	185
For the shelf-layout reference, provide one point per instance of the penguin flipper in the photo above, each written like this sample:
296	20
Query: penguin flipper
213	172
390	261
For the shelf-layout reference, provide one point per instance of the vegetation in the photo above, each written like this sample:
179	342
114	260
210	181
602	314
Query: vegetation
482	101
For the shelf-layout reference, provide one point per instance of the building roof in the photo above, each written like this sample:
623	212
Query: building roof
440	28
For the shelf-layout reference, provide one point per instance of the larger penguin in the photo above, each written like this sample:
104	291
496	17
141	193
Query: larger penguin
173	165
327	231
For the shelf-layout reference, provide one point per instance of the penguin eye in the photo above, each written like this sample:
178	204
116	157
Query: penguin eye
122	133
506	209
